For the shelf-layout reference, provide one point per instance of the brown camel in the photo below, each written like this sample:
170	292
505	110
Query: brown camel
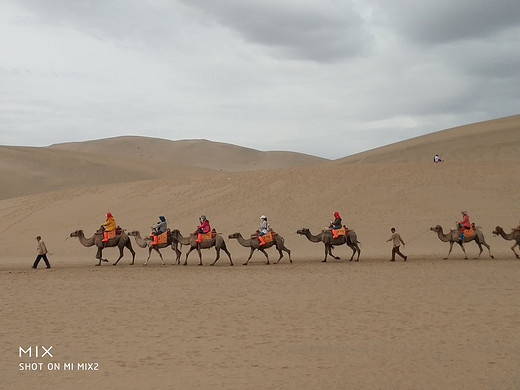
254	244
217	242
147	242
121	241
514	235
326	237
453	237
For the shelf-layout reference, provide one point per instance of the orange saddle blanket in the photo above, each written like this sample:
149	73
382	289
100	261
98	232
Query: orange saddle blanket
469	232
162	238
342	231
209	235
269	236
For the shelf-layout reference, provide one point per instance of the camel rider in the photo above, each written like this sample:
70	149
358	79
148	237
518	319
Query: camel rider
336	224
109	225
464	224
158	229
262	229
203	228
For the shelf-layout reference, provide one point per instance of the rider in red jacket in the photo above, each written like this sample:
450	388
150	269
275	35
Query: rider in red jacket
204	227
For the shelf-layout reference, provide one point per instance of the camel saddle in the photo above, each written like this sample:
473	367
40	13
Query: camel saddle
469	232
342	231
268	237
162	238
111	234
209	235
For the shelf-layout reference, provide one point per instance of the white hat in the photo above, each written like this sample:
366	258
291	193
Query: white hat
263	217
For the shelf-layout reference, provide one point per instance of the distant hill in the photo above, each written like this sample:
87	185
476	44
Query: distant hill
459	144
196	153
29	170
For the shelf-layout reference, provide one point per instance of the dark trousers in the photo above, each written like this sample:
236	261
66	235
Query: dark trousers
38	258
395	250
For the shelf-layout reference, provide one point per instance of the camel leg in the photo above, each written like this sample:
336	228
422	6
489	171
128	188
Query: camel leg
250	255
187	254
120	256
160	255
513	249
451	247
149	254
330	253
488	248
281	254
99	256
218	255
129	246
464	250
354	250
266	255
228	255
178	253
200	255
327	250
280	258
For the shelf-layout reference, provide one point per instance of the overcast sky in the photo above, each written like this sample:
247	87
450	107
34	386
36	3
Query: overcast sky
324	77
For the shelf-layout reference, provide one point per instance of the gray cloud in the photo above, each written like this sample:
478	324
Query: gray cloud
444	21
317	31
301	73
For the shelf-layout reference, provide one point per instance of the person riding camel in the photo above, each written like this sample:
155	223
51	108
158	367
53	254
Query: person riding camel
204	227
158	229
109	225
464	224
336	224
262	229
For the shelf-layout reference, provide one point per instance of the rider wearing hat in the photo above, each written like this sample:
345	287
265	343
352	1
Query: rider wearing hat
109	225
158	229
262	229
336	224
204	227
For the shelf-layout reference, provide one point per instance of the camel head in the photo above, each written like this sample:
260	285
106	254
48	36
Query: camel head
303	231
77	233
436	228
175	232
498	230
234	235
134	233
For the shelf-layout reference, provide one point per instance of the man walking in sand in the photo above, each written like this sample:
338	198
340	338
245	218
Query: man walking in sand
42	253
396	240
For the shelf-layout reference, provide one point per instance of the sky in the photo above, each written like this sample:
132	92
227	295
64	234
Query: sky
329	78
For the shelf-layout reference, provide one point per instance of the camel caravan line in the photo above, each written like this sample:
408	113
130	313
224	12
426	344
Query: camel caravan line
175	240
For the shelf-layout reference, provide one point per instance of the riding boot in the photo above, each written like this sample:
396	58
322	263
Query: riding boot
155	239
199	237
262	241
334	234
105	237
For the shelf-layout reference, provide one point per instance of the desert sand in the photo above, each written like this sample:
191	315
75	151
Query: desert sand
427	323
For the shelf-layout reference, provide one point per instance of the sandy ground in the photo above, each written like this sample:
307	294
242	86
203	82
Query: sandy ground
423	324
428	323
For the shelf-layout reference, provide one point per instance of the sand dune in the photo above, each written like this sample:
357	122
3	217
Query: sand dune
427	323
493	141
198	153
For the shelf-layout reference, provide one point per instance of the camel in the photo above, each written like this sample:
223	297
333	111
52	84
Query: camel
217	242
121	241
453	237
326	237
514	235
254	244
147	243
